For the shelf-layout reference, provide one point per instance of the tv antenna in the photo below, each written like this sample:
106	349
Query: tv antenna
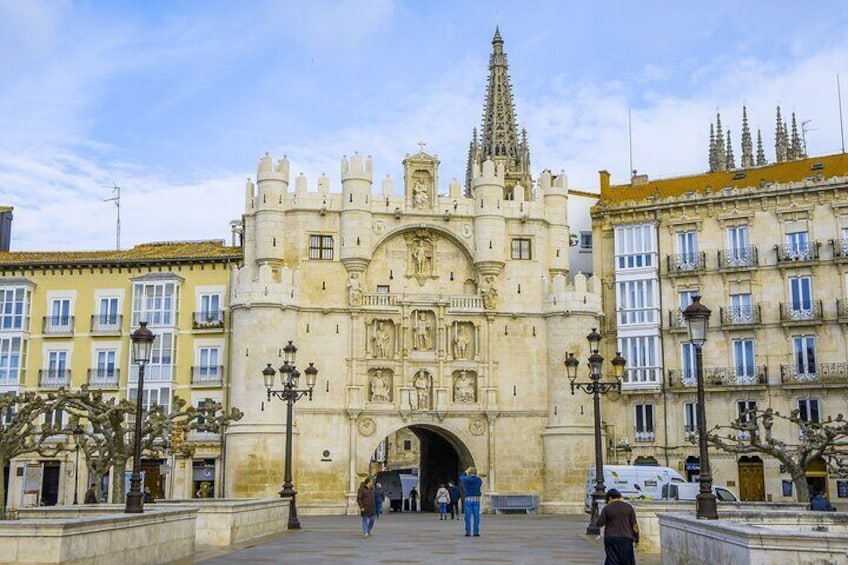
116	198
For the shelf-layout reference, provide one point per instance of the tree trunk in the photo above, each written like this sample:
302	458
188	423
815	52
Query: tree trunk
3	487
801	487
119	469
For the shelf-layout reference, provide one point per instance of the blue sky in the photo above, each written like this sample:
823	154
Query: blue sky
176	101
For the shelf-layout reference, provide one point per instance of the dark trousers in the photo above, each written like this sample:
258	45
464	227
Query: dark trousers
619	551
454	509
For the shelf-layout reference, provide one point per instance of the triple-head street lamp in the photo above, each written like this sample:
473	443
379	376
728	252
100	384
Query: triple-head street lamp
142	346
596	388
290	394
697	317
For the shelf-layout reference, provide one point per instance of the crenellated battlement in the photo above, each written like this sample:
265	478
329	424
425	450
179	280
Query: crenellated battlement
266	170
584	295
490	174
356	167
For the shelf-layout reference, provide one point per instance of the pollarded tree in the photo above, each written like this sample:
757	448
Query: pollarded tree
22	430
108	429
751	432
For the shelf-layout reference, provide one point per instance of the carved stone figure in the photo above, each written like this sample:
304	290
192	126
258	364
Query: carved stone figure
420	255
380	391
464	388
461	341
420	195
354	286
421	399
422	333
489	291
382	341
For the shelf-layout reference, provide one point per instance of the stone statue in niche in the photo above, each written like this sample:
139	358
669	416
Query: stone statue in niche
420	195
354	286
421	255
422	332
463	347
380	388
420	399
465	387
489	291
381	340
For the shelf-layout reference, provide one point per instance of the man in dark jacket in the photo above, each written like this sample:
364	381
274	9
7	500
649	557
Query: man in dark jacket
367	505
621	530
379	495
820	504
453	491
91	495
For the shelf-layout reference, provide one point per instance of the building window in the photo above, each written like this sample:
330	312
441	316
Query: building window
740	309
644	422
321	247
14	307
801	295
687	363
635	246
210	308
160	368
7	415
152	395
521	249
55	418
382	289
585	240
407	444
805	355
60	315
107	313
687	249
637	302
690	420
744	412
743	358
808	410
106	369
209	368
642	354
155	303
797	245
57	362
11	359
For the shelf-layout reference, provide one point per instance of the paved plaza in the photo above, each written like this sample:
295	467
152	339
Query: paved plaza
423	538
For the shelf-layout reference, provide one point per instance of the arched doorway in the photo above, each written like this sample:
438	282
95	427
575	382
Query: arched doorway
752	485
430	453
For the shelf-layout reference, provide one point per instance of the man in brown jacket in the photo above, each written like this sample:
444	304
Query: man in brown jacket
621	530
367	505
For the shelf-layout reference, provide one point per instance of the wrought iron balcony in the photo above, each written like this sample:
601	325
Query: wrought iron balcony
686	263
54	378
644	437
740	316
58	325
840	249
106	324
719	376
208	320
823	373
738	258
207	375
804	313
104	377
841	310
676	322
797	253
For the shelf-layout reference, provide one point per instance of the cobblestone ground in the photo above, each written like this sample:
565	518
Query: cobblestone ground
423	538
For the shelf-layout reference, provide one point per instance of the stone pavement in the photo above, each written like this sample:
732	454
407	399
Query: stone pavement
423	538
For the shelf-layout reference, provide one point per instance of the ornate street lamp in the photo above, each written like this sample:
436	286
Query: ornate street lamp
78	432
596	388
697	317
142	346
290	394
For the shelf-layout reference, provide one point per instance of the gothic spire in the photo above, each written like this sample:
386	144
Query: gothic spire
780	146
747	147
713	155
730	160
499	137
721	155
796	150
761	155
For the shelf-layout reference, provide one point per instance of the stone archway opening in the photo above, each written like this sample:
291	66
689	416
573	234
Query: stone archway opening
427	452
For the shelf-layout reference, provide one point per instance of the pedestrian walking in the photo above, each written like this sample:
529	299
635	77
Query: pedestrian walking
471	486
621	531
367	505
379	496
453	491
413	500
91	495
442	499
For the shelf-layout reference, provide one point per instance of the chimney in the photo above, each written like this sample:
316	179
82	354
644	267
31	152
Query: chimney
605	181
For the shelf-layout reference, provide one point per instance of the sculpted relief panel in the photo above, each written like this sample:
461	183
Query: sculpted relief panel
380	383
464	340
465	387
382	339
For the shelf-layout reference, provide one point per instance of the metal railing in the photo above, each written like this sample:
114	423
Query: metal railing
719	376
676	321
106	323
58	325
209	375
738	258
686	263
840	248
104	377
810	311
54	378
644	437
822	373
740	315
794	252
208	320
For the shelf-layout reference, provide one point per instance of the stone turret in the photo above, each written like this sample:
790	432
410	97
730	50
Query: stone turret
355	245
273	182
555	191
489	221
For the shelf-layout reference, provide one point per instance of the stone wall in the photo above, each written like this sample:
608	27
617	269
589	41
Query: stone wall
230	522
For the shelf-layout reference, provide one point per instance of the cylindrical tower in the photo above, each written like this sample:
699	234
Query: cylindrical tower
355	245
555	193
489	221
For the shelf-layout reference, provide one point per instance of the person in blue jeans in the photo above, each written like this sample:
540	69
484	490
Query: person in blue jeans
471	486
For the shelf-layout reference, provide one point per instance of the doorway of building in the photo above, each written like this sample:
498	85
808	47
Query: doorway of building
153	478
50	483
431	454
817	477
752	485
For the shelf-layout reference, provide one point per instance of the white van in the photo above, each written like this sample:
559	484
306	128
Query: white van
634	482
689	491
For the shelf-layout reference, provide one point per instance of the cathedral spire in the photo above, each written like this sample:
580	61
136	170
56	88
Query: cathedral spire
781	151
500	140
713	159
721	155
761	155
796	149
730	159
747	146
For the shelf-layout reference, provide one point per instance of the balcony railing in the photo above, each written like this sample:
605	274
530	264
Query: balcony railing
686	263
54	378
456	302
153	373
824	373
207	375
209	320
738	258
719	376
104	377
740	315
106	324
840	248
676	321
805	312
794	253
644	437
841	310
690	433
58	325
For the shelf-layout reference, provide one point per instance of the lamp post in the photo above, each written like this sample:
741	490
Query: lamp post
596	388
289	393
78	432
142	345
697	317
